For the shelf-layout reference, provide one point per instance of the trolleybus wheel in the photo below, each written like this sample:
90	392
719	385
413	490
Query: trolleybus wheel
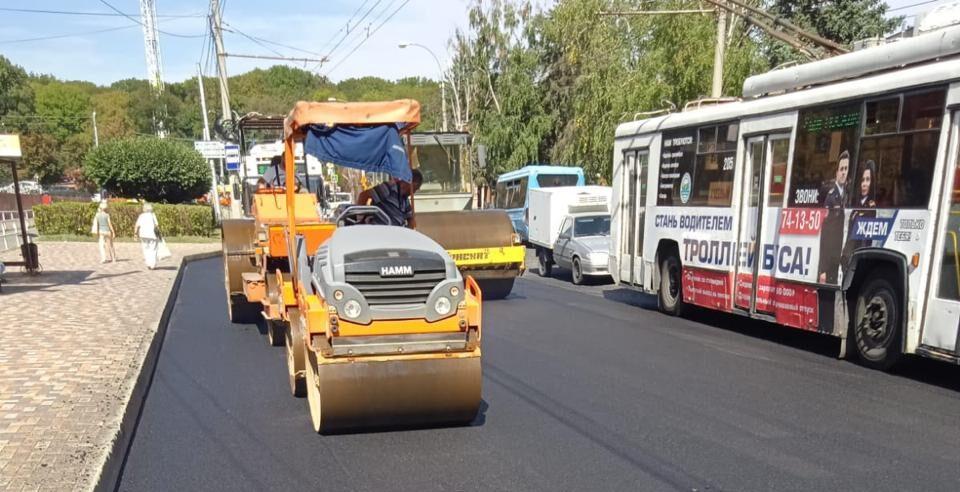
876	322
670	294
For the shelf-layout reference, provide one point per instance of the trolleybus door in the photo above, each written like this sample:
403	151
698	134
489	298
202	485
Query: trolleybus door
766	158
633	215
750	222
940	326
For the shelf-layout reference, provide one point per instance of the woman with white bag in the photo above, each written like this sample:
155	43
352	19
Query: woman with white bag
151	242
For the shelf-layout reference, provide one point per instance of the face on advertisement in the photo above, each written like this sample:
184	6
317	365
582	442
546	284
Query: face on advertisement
865	179
843	167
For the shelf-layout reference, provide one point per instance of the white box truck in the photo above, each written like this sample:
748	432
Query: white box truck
569	227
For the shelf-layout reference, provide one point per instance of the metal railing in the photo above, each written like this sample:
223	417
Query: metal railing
10	236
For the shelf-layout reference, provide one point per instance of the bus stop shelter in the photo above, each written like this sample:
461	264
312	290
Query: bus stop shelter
10	155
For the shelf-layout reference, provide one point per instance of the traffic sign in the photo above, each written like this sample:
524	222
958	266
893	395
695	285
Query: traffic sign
232	156
209	149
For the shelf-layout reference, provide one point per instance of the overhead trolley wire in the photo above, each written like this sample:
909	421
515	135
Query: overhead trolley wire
370	35
133	19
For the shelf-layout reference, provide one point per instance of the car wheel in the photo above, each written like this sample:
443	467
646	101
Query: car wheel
577	272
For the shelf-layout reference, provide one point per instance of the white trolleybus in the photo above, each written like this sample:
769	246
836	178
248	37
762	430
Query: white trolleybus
825	200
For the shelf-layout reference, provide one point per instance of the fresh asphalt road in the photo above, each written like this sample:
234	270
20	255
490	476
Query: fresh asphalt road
583	389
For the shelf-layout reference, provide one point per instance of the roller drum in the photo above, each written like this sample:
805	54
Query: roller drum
238	237
395	392
466	229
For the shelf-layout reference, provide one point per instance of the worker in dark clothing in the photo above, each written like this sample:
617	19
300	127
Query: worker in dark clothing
393	197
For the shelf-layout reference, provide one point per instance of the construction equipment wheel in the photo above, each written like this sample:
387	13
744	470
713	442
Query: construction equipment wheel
276	332
313	389
385	392
295	355
241	311
496	288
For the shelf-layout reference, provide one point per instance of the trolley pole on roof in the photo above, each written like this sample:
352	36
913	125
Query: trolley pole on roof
718	54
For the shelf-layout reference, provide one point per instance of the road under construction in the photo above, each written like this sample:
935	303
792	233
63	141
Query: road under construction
584	388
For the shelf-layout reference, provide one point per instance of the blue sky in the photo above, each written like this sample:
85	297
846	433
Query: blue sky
310	25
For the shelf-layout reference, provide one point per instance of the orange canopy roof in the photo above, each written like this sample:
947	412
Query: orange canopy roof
358	113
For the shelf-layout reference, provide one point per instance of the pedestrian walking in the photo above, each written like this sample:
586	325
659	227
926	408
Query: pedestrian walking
103	228
148	231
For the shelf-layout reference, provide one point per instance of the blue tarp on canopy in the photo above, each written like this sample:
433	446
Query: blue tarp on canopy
374	148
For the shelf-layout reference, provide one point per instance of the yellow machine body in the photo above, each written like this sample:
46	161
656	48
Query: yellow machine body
482	243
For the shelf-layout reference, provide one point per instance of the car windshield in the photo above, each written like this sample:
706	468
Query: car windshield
598	225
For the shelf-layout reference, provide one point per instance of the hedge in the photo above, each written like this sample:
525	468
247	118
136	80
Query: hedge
76	218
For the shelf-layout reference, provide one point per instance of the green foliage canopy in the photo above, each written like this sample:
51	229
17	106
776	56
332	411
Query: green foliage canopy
149	168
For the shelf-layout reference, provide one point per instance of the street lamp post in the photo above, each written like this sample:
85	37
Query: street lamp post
443	85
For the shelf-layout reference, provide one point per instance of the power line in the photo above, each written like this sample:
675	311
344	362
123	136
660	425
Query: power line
345	26
141	24
60	36
234	29
364	40
347	35
913	5
96	14
258	43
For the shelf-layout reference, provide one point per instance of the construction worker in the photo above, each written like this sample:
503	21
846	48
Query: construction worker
393	197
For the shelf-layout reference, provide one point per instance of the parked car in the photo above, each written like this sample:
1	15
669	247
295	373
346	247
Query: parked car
26	187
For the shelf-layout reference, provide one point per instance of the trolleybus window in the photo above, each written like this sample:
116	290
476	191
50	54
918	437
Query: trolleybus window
826	140
898	151
697	166
780	153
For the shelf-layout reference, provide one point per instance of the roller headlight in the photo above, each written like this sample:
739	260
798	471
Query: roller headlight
455	291
442	306
351	309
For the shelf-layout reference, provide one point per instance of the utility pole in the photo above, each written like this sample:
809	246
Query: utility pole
214	196
221	59
96	134
718	54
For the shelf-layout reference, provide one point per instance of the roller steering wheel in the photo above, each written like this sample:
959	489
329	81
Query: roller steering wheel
362	214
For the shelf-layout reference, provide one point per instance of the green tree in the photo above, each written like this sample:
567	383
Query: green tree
65	108
149	168
16	96
113	115
842	21
40	159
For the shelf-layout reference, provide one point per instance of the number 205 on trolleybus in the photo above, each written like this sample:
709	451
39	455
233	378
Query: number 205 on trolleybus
826	199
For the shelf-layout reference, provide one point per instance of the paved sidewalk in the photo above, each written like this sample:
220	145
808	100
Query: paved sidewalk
72	342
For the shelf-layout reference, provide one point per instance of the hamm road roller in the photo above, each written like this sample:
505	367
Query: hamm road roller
386	331
256	253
